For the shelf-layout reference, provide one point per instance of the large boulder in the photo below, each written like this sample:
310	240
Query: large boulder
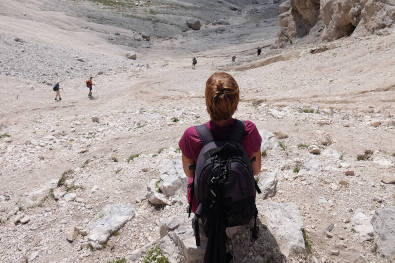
305	14
194	23
172	177
340	17
383	223
154	194
269	140
376	15
110	219
268	184
337	18
362	226
285	223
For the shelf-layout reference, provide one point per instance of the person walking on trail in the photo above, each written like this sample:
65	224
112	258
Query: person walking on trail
194	62
56	88
221	158
259	51
89	85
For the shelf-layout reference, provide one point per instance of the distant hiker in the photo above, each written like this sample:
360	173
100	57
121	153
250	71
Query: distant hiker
259	51
56	88
221	158
194	62
89	85
234	59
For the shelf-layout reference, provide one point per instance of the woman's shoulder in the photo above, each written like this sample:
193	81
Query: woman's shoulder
250	127
190	132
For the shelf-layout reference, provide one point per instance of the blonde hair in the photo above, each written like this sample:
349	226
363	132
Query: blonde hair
222	96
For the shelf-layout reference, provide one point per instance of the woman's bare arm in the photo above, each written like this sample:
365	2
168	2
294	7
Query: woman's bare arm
186	163
256	166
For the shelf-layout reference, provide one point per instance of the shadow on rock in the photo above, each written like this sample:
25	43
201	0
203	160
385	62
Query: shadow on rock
264	249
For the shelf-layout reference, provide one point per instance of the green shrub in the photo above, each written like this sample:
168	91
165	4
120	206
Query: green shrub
306	241
155	255
121	260
302	146
157	188
132	156
282	146
4	135
63	177
367	155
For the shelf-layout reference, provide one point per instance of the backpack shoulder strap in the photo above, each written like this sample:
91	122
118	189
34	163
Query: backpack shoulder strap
204	134
237	131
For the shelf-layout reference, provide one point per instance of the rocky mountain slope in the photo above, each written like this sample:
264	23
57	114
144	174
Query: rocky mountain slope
333	19
100	180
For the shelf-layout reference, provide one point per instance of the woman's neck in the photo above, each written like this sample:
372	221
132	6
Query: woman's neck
221	122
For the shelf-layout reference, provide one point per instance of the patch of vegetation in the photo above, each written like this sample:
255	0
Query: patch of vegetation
154	155
101	216
174	119
306	241
178	150
152	11
118	170
74	187
350	210
353	230
282	146
307	110
132	156
63	178
85	163
115	3
297	168
155	255
4	135
114	159
367	155
157	188
121	260
141	125
302	146
161	150
264	154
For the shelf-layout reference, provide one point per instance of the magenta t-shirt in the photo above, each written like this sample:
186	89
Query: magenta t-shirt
191	145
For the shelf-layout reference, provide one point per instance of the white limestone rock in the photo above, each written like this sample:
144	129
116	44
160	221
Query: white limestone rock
383	223
110	219
285	223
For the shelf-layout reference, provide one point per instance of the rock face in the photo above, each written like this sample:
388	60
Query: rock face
131	55
305	15
376	15
194	24
285	223
361	224
268	184
269	140
383	223
110	219
172	177
338	18
153	194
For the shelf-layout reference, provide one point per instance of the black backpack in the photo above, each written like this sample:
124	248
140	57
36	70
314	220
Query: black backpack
224	187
